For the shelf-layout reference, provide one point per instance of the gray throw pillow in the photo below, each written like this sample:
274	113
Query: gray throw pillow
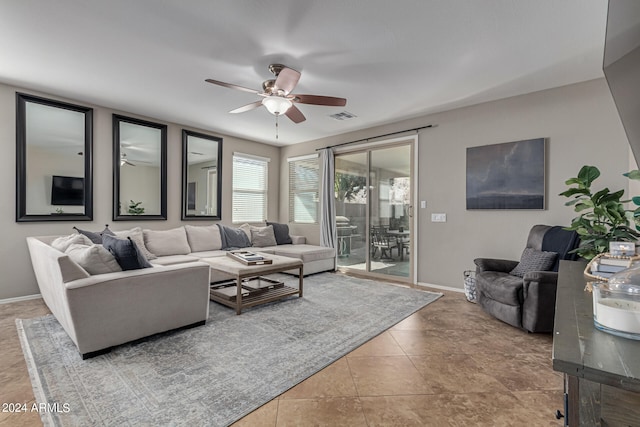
233	238
126	253
281	231
263	236
95	236
534	260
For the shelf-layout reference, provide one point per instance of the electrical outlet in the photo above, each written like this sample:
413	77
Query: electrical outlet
438	217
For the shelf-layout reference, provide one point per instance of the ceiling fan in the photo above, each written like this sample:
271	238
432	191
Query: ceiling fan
277	97
125	161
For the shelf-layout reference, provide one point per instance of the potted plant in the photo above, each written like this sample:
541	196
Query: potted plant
134	208
602	215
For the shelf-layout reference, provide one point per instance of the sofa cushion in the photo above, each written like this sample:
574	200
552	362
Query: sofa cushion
167	242
267	250
306	253
263	236
208	254
174	259
95	236
137	236
95	259
127	254
62	243
281	232
534	260
205	238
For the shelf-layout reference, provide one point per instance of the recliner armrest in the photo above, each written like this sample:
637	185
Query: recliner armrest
492	264
541	276
539	300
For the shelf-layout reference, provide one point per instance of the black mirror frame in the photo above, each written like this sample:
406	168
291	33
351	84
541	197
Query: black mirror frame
21	160
117	119
185	168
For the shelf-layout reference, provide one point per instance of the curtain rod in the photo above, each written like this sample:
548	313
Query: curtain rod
374	137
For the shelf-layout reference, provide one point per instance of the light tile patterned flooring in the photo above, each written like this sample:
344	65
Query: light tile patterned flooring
449	364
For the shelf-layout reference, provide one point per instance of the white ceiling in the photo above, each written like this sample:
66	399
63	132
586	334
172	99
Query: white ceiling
390	59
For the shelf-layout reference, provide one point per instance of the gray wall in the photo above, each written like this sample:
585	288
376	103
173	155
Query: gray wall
582	127
580	121
15	267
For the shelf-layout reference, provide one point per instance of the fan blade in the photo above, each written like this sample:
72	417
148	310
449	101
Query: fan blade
287	80
232	86
320	100
247	107
295	115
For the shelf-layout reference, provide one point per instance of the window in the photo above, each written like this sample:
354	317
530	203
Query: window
303	189
249	188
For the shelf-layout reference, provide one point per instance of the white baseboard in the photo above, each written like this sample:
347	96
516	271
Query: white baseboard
444	288
18	299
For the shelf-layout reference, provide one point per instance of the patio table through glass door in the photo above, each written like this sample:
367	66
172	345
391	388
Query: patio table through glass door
373	191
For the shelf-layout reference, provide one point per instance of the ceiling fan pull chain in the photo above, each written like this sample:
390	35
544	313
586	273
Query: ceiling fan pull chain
277	125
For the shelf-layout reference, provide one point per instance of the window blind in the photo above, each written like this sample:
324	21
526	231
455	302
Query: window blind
249	188
304	189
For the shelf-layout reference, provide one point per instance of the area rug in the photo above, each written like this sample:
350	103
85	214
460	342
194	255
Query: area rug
217	373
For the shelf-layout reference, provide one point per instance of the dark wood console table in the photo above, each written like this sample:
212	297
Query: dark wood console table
602	371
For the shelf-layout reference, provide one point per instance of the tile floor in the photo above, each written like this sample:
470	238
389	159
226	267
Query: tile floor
449	364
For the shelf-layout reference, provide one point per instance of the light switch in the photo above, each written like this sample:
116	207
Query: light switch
438	217
423	204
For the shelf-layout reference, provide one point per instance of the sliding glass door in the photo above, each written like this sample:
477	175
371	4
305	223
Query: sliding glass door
374	210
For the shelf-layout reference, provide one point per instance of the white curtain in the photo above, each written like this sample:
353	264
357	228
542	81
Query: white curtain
327	200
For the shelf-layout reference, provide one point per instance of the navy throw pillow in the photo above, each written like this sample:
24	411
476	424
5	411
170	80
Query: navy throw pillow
125	252
281	231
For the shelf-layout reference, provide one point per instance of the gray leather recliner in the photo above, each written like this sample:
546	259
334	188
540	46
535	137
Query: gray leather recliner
525	302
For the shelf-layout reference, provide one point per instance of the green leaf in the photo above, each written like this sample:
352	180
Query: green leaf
634	174
600	228
588	174
572	191
613	197
573	181
581	207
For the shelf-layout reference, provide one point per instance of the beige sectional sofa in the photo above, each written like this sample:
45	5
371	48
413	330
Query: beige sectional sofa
108	306
103	310
191	243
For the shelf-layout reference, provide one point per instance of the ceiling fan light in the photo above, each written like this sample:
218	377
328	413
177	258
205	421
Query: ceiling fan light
276	104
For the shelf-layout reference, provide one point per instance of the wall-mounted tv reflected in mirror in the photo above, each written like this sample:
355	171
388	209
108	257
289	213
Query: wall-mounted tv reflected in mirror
67	191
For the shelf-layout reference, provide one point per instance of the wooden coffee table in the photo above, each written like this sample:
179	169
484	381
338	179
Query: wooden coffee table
279	264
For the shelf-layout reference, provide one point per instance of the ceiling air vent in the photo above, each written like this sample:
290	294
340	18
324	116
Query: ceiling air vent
345	115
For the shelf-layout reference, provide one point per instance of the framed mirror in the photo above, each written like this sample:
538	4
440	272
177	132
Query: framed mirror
139	169
53	160
201	176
